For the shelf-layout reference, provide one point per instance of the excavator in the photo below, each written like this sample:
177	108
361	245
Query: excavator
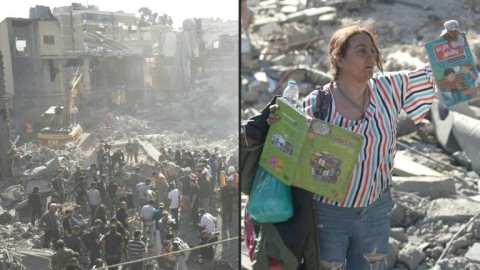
56	120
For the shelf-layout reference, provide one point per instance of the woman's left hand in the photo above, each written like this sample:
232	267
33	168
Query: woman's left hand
451	35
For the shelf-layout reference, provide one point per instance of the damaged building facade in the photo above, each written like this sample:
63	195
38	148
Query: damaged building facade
38	68
196	66
123	66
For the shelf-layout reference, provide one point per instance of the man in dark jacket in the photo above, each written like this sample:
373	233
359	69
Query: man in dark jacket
207	252
227	197
113	246
35	204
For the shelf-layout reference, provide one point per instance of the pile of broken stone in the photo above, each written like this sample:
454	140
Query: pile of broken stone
37	165
435	219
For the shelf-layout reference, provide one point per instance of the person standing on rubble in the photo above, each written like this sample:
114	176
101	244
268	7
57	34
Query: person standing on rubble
195	202
146	216
60	259
93	199
204	189
174	197
95	240
50	223
74	114
74	241
35	205
117	158
353	233
78	218
227	197
58	111
136	148
122	215
207	251
102	188
189	161
161	188
143	189
112	192
213	164
80	194
101	158
136	250
185	191
129	150
135	178
58	184
112	247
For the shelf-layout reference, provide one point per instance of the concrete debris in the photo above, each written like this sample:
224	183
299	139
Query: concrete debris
436	182
36	166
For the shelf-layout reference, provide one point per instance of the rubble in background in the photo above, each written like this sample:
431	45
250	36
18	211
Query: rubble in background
435	220
36	165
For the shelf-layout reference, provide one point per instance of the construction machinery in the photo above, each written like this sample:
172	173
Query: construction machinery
56	120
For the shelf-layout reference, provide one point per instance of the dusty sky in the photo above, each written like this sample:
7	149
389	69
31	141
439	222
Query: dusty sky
177	9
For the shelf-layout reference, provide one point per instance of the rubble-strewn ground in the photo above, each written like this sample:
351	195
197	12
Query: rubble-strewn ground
435	220
154	128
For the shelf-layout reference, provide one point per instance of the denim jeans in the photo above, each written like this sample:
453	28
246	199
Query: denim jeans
354	238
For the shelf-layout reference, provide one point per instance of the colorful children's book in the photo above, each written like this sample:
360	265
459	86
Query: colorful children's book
310	153
454	70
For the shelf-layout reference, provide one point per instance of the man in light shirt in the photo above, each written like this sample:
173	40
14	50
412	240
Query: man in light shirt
207	221
174	197
142	189
146	215
94	199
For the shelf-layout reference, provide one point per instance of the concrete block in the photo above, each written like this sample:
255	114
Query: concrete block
289	9
456	210
327	18
258	86
473	253
405	166
398	234
260	21
459	243
425	186
393	249
299	16
411	257
269	29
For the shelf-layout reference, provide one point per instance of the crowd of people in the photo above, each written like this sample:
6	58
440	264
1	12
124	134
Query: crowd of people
113	215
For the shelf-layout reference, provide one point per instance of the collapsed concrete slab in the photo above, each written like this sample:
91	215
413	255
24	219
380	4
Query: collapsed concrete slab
432	187
405	166
473	253
455	210
411	256
150	150
50	166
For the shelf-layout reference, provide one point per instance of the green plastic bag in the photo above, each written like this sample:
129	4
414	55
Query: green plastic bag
270	200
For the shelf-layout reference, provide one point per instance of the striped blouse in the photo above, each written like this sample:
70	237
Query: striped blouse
411	91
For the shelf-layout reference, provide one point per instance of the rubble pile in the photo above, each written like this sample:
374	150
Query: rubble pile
288	40
37	165
435	220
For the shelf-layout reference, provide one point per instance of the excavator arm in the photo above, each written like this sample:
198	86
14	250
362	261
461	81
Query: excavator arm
76	88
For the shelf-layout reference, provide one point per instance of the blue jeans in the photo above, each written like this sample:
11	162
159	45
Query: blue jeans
354	238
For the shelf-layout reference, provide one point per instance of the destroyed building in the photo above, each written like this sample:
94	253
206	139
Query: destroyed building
124	94
123	66
38	70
